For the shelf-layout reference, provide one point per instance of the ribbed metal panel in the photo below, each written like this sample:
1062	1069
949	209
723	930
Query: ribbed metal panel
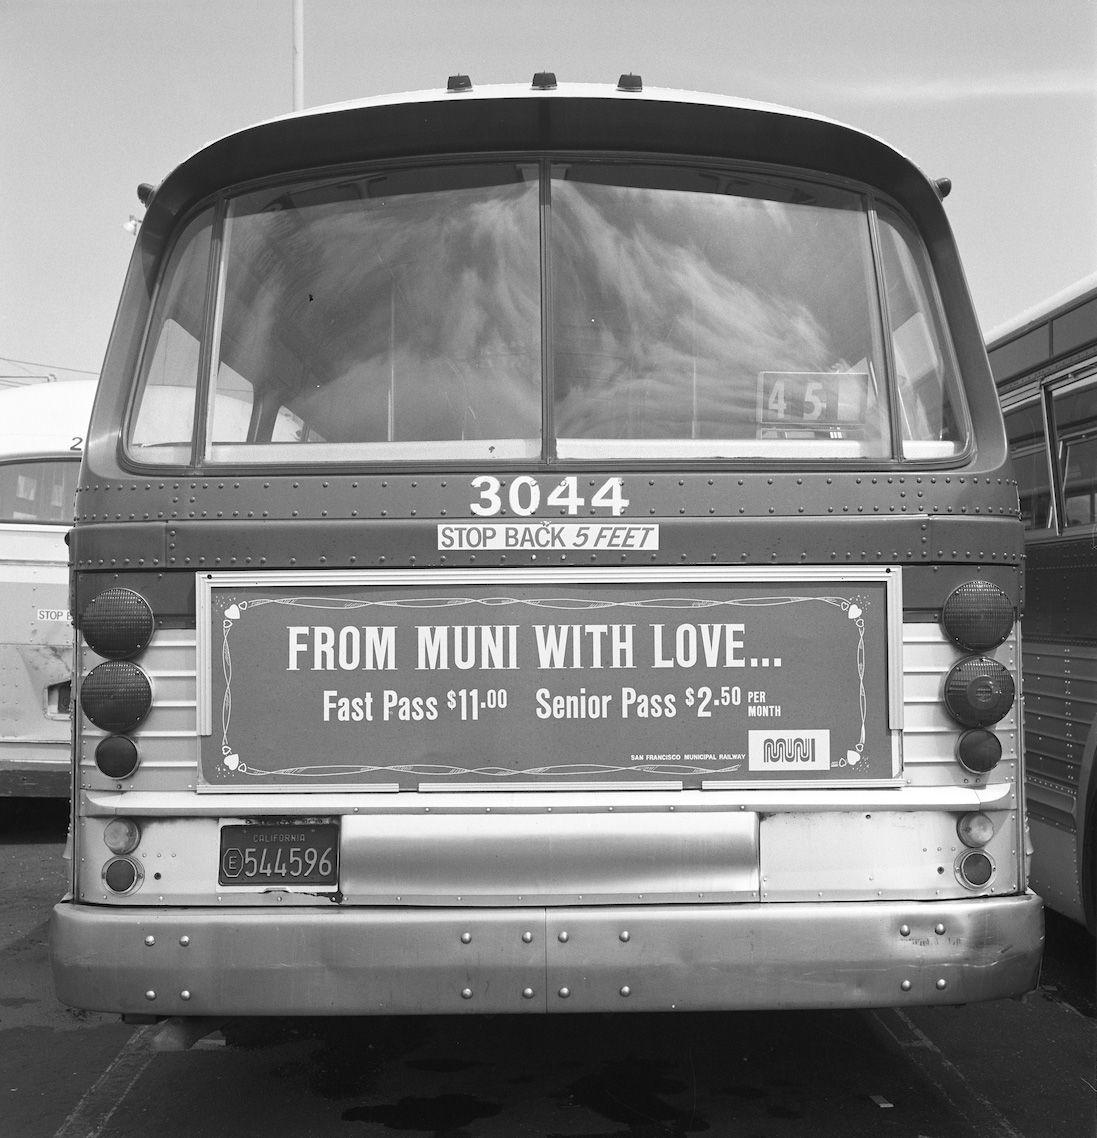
930	734
1061	705
168	739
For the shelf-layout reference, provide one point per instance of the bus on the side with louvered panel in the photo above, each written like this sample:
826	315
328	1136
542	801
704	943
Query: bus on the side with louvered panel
42	431
1045	364
546	548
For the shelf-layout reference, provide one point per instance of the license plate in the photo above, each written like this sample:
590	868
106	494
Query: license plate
280	854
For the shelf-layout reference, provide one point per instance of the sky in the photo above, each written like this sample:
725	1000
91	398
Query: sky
99	95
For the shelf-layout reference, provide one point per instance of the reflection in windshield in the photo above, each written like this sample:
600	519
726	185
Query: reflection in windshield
670	306
376	317
691	312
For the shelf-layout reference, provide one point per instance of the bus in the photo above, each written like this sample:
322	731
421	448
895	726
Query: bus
545	548
1045	365
42	429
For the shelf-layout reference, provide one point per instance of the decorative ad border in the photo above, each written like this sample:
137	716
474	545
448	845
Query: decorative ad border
397	679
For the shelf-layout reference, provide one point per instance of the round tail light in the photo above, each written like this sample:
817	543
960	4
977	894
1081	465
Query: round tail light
117	623
121	835
122	875
975	829
977	615
979	750
978	691
975	869
116	756
116	695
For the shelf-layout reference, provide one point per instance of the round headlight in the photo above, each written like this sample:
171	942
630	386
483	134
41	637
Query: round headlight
116	695
121	875
975	829
121	835
116	756
975	869
979	751
977	615
978	691
117	623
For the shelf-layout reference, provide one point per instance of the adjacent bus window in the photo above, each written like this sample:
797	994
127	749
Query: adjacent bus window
398	312
924	365
163	426
1025	428
1075	413
38	491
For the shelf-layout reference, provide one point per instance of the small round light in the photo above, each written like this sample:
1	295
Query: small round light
975	869
116	756
978	691
116	695
975	829
117	623
121	835
979	750
122	875
977	615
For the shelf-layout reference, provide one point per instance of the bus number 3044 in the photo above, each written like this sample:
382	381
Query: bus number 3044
524	496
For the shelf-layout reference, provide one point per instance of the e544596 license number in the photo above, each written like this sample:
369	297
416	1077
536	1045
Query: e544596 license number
280	854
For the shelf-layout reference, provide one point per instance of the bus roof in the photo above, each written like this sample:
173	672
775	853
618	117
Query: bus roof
514	117
1047	332
1066	298
45	418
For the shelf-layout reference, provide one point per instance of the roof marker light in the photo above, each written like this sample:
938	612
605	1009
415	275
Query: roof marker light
630	82
458	83
544	81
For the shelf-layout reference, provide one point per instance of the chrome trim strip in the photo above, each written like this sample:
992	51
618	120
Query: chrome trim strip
763	801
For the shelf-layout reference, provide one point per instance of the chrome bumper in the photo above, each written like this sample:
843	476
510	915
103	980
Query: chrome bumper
353	961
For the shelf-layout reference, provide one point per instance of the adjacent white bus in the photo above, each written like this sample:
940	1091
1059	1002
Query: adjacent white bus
42	429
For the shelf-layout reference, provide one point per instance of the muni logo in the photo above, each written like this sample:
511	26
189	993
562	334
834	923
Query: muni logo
788	750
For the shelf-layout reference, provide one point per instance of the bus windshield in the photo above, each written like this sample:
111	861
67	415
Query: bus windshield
557	309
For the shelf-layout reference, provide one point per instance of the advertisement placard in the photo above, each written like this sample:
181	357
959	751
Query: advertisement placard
520	679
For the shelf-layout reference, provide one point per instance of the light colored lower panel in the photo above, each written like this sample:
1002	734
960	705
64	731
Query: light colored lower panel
863	855
35	769
346	961
549	859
